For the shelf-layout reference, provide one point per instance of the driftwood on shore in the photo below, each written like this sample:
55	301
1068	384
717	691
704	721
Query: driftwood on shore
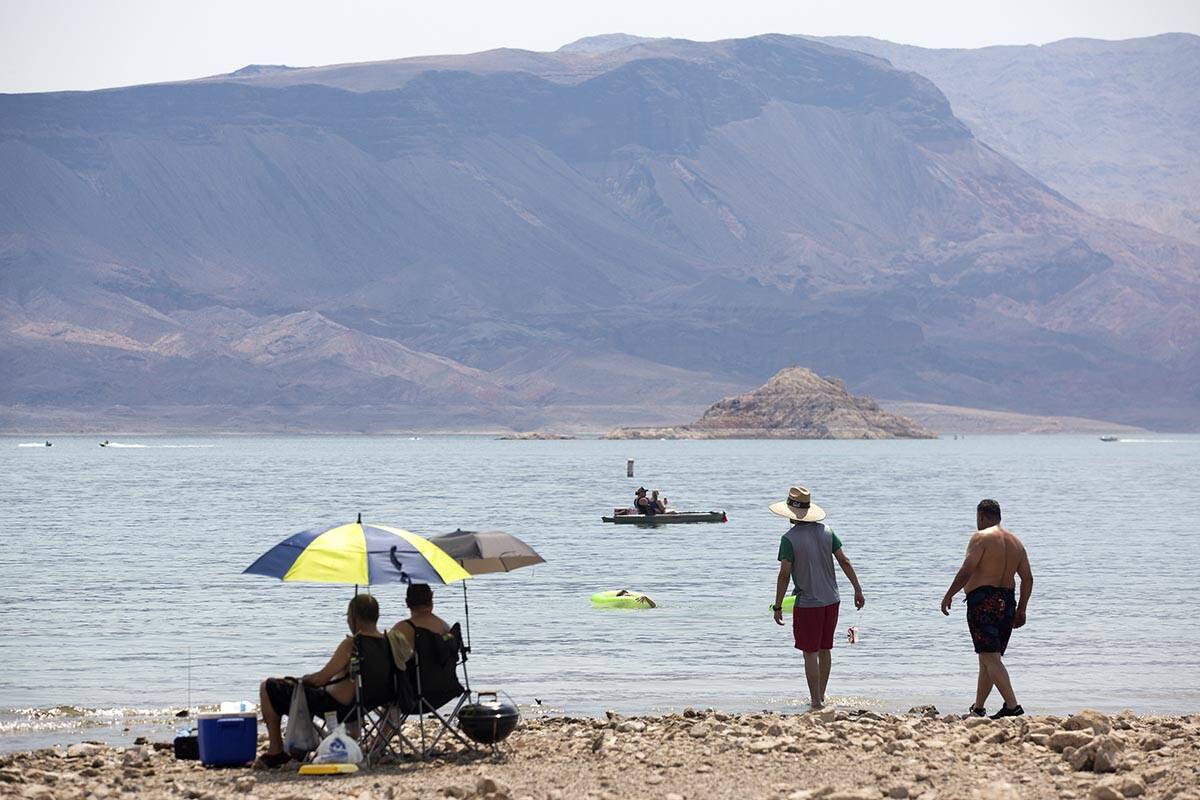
831	754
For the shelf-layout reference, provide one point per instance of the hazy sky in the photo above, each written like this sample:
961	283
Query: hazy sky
87	44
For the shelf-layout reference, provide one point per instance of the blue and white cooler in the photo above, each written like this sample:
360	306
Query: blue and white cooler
228	739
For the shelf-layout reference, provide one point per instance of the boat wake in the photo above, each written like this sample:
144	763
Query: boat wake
160	446
32	444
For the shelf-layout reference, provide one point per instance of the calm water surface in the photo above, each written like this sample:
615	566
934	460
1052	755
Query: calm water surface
119	571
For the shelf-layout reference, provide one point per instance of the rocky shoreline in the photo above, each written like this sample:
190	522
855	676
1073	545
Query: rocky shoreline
828	755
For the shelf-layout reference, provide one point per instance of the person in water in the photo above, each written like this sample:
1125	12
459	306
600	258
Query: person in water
641	598
806	555
328	689
994	557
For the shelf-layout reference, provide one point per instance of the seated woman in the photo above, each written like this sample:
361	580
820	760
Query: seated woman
419	599
328	689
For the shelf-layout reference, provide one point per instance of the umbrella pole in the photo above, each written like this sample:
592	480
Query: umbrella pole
467	615
467	649
359	522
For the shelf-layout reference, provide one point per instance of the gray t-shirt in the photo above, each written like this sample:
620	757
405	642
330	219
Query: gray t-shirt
810	547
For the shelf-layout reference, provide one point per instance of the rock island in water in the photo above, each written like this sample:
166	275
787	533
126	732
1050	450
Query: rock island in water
794	404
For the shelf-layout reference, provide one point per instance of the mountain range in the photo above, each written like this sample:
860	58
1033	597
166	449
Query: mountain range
617	233
1113	125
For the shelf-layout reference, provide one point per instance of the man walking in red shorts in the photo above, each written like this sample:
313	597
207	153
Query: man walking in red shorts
806	554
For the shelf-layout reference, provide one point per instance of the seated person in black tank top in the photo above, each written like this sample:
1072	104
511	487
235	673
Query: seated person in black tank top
436	644
328	689
419	599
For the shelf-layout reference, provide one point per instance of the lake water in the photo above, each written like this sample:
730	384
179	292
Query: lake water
120	580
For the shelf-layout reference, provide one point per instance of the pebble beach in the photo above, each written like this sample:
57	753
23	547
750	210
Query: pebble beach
829	754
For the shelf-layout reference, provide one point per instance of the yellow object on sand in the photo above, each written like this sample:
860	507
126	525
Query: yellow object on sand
328	769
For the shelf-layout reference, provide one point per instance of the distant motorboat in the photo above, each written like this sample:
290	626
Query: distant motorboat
1108	438
49	443
104	443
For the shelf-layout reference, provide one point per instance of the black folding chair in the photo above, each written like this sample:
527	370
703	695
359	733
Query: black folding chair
379	688
433	677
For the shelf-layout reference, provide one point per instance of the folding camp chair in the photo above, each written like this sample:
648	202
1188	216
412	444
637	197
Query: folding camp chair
427	681
379	688
436	660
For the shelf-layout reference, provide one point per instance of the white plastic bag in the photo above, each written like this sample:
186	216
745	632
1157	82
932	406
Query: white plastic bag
338	748
301	734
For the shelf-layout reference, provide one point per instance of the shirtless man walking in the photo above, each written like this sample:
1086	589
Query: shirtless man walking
994	558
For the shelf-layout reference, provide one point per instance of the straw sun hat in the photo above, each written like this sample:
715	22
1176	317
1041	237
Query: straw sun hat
799	506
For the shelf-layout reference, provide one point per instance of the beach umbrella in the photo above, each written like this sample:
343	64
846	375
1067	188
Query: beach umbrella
362	554
484	552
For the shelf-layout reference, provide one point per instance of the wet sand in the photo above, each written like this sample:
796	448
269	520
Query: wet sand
835	755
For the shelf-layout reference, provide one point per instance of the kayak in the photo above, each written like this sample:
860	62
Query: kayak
611	599
667	518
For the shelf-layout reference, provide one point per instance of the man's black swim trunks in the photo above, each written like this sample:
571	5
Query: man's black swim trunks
990	613
279	693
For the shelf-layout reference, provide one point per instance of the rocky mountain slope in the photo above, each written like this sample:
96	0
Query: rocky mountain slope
795	404
576	239
1114	126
